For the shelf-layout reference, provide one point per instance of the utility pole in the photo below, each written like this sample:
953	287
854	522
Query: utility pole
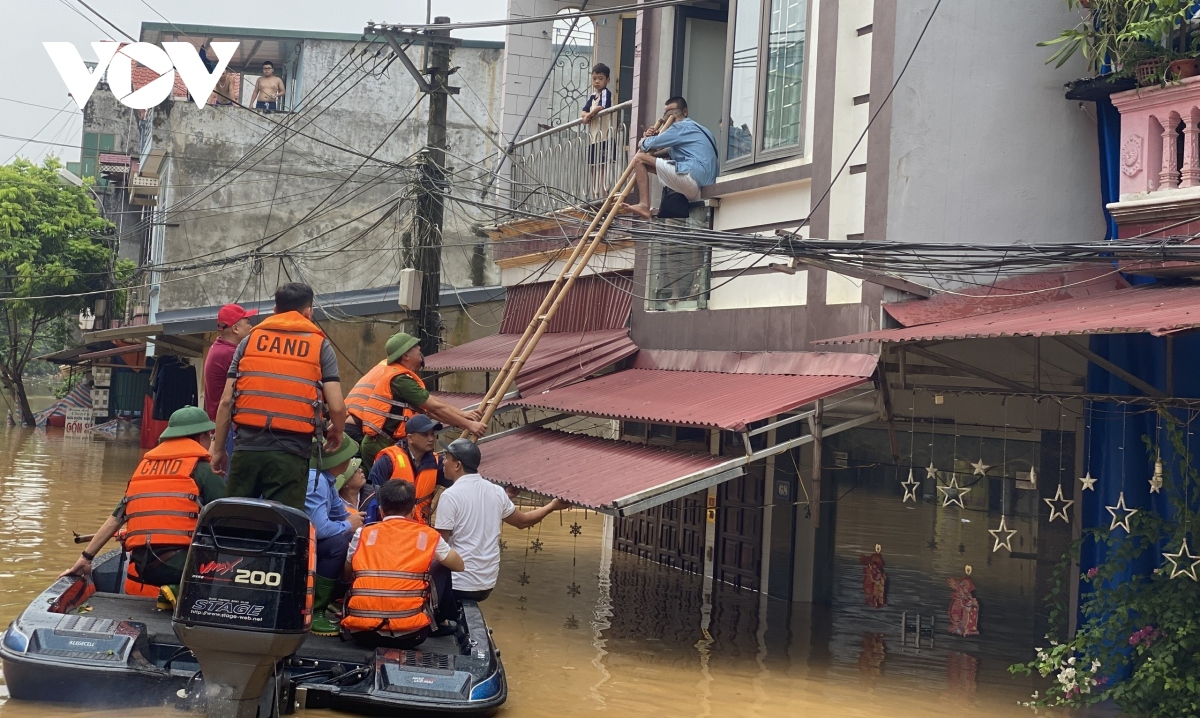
431	205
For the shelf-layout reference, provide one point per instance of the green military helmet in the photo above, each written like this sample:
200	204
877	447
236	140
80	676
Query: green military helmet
398	344
343	477
348	449
188	421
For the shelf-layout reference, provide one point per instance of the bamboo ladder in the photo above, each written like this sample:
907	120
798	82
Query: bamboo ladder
574	266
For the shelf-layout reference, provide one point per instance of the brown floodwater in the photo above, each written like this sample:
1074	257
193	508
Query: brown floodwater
584	629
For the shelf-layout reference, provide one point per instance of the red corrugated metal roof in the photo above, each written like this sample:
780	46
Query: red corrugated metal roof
1025	290
559	359
726	401
803	363
586	470
594	303
1155	310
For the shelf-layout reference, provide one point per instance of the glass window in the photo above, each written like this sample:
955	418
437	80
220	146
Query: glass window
743	89
766	72
678	277
785	63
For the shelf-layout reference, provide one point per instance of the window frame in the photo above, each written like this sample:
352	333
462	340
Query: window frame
757	154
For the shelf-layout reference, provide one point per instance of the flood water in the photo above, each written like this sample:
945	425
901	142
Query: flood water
582	629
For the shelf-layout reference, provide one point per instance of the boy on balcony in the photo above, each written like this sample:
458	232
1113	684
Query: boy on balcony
598	152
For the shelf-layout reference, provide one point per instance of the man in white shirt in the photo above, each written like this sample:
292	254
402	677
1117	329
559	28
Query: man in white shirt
469	515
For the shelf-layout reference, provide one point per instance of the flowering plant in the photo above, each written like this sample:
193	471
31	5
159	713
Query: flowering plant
1138	643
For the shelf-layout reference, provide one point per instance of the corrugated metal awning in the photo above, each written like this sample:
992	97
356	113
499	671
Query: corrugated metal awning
709	399
1155	310
616	477
558	359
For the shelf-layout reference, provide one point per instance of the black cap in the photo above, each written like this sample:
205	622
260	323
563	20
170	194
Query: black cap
419	424
466	452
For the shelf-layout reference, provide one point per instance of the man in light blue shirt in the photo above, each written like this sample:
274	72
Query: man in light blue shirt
692	154
333	524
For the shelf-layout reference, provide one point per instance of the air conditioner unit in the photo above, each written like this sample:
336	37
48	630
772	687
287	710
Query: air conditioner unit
410	289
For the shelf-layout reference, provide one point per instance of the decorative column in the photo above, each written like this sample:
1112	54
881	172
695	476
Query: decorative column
1169	177
1190	172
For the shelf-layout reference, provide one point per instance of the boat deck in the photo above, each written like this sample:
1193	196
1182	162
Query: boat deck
325	648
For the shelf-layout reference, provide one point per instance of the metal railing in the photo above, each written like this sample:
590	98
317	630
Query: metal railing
572	163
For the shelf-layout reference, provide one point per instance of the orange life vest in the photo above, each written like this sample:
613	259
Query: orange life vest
162	503
371	401
424	481
278	384
391	591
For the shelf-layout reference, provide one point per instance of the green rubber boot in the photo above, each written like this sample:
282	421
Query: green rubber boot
322	593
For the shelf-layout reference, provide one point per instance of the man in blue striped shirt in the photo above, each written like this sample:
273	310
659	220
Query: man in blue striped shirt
692	154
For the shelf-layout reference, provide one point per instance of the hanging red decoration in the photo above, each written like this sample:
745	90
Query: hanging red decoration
874	578
964	607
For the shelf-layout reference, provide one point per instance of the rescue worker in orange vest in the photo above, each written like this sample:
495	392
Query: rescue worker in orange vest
160	508
400	572
414	461
390	393
283	385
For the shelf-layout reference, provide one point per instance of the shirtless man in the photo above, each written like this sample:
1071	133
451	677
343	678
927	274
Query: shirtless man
268	89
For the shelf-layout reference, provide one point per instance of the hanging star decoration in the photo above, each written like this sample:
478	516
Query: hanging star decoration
1089	484
910	488
981	468
573	589
1033	475
523	579
1156	481
931	471
1058	506
1183	556
1124	511
536	545
572	623
503	544
1002	543
576	529
953	494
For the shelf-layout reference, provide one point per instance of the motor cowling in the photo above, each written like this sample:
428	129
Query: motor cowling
245	601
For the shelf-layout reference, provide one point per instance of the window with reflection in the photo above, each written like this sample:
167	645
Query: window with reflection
765	80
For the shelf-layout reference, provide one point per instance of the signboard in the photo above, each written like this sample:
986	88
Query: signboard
79	422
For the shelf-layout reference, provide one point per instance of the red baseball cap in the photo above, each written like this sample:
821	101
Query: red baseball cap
231	314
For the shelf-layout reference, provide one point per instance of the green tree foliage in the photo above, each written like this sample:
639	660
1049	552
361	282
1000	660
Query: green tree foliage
52	242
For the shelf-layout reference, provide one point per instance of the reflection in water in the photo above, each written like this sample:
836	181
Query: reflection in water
583	629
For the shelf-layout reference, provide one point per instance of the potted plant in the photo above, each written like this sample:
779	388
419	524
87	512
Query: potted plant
1150	40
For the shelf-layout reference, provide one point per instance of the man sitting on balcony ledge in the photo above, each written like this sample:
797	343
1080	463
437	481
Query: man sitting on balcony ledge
693	158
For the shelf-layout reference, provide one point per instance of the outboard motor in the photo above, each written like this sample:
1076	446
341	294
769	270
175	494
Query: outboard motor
245	602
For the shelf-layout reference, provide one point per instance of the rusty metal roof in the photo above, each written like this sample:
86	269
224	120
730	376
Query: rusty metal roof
559	359
1156	310
691	398
603	474
594	303
804	363
1024	290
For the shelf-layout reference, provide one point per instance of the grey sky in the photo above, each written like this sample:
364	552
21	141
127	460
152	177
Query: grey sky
29	76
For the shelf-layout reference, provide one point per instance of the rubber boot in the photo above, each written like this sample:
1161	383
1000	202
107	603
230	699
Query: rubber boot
167	597
322	593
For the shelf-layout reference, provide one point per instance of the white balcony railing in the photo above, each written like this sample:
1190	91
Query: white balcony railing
571	164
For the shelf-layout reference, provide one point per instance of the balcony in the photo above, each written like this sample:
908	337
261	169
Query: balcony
571	164
1159	157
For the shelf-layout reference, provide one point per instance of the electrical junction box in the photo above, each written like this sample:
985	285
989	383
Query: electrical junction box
101	376
410	289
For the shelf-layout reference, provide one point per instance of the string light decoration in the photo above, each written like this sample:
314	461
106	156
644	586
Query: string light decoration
1089	484
911	484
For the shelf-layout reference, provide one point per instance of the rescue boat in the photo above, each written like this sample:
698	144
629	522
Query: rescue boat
236	648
